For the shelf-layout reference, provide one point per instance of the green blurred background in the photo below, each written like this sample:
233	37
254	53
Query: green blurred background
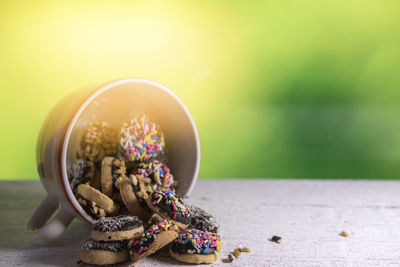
296	89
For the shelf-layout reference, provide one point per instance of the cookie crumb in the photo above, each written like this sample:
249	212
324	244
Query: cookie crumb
276	239
344	234
229	259
245	249
237	252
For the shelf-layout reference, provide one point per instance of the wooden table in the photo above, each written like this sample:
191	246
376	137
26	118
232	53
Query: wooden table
307	214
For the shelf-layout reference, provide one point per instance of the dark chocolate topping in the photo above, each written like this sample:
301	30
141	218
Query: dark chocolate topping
118	223
140	199
187	248
203	221
173	205
144	243
80	172
104	245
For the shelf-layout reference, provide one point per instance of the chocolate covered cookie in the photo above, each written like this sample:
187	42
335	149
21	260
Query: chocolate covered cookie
154	238
159	174
80	172
117	228
126	187
102	253
169	206
194	246
202	220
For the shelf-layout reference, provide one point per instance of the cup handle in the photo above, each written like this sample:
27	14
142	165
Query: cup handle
41	234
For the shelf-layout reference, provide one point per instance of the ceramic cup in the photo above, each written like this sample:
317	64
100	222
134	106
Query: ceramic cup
116	102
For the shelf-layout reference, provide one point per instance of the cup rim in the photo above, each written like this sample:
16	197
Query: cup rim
65	184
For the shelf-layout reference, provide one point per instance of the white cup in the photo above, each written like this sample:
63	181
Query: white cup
115	103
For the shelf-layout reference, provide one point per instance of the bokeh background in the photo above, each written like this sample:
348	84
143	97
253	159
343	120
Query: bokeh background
280	89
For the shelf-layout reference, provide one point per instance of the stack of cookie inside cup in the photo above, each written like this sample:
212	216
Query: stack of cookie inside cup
122	180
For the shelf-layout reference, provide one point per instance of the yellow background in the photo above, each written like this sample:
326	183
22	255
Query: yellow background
277	88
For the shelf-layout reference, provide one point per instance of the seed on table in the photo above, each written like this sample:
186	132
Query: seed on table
344	234
237	252
245	249
276	239
229	259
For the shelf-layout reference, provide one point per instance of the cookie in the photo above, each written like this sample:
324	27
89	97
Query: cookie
128	196
142	188
153	239
118	172
151	176
90	207
80	172
169	206
102	253
98	141
159	174
111	170
194	246
88	193
106	176
202	220
117	228
141	140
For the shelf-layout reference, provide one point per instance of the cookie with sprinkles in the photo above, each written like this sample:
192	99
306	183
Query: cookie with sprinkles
117	228
141	139
194	246
153	239
151	176
160	176
169	206
102	253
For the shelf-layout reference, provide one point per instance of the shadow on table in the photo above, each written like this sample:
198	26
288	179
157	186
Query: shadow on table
63	251
162	257
18	201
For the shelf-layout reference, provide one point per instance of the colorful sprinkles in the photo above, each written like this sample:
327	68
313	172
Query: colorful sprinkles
140	244
159	173
141	139
173	202
201	241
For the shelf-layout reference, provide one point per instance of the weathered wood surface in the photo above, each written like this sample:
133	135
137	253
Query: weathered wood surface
308	214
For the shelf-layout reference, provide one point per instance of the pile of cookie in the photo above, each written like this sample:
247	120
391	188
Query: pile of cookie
120	238
123	182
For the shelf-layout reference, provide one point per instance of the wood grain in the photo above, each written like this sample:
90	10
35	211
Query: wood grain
307	214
